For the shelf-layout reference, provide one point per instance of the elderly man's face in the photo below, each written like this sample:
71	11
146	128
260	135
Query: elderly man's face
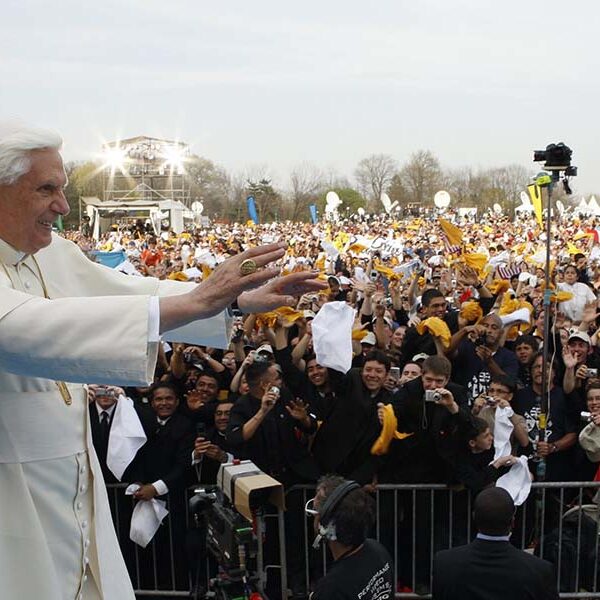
30	206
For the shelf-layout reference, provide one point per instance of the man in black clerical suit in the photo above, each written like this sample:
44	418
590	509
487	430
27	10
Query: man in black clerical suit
162	467
490	567
102	410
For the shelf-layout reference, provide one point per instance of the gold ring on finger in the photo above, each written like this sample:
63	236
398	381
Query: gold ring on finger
248	267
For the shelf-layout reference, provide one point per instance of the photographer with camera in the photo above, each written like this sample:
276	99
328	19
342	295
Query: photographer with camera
581	363
264	423
477	354
434	409
362	568
211	448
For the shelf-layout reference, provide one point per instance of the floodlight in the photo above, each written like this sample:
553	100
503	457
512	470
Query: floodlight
174	158
114	158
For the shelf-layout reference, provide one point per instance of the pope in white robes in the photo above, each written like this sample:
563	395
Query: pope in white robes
64	318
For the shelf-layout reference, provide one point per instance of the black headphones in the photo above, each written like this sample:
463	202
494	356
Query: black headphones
326	512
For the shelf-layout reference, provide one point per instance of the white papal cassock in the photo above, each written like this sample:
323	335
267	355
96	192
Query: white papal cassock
57	540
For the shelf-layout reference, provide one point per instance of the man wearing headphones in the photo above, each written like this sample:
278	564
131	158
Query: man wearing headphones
362	568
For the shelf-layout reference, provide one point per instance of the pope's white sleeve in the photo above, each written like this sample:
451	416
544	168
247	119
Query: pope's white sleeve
154	319
82	340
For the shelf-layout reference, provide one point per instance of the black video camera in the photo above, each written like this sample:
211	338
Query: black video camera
229	536
557	157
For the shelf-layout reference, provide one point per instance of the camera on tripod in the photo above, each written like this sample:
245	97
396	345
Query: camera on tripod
557	157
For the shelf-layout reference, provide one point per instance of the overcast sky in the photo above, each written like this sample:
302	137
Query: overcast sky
477	82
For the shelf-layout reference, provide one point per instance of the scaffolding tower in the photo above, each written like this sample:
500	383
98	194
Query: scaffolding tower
145	168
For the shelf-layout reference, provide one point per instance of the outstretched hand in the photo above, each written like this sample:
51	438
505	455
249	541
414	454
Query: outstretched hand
226	283
281	291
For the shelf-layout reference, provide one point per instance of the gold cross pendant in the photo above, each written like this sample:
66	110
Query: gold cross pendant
64	392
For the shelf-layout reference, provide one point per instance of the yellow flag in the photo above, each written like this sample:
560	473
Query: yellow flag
452	232
535	192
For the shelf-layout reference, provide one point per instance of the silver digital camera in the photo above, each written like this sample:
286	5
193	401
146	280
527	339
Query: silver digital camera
432	396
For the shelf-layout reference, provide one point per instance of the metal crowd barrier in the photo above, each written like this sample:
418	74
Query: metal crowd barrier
559	521
170	565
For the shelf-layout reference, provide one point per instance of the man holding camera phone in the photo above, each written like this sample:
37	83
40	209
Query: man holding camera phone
477	355
581	364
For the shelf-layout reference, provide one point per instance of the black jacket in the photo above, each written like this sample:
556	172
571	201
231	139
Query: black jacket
492	570
167	454
344	440
279	446
427	456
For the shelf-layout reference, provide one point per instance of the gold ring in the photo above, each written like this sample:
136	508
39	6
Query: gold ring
248	267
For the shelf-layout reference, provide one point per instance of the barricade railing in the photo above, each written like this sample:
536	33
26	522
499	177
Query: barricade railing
559	522
175	563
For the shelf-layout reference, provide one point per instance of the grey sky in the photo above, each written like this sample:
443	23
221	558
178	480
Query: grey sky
247	83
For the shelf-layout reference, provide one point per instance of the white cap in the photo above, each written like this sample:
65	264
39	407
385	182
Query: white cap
265	348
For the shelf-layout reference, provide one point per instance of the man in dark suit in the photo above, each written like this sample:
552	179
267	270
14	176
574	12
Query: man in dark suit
161	467
102	410
491	567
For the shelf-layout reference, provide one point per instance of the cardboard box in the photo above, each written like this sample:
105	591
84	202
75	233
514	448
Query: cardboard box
247	487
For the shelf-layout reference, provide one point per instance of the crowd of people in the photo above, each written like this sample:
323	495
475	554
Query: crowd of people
445	334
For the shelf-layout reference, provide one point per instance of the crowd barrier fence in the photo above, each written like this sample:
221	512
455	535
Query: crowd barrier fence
559	521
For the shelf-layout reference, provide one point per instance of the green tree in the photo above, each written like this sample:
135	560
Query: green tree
267	200
351	199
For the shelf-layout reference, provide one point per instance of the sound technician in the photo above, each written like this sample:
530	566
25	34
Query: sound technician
362	568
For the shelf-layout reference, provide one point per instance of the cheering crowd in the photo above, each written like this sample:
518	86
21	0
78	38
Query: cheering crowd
446	335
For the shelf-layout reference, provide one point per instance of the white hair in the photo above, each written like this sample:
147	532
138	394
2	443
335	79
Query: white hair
17	140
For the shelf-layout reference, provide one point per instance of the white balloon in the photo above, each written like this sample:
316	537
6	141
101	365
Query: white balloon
497	208
525	199
332	200
197	207
442	199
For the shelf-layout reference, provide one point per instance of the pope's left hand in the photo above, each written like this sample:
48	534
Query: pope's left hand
281	291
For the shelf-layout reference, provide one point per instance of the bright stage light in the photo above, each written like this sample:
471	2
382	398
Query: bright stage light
175	158
114	158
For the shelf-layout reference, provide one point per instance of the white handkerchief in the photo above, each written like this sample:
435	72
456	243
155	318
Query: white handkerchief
192	273
146	518
330	249
517	482
503	429
128	268
518	316
126	437
332	336
501	258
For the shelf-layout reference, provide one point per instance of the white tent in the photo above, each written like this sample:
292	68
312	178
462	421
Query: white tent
593	207
582	207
